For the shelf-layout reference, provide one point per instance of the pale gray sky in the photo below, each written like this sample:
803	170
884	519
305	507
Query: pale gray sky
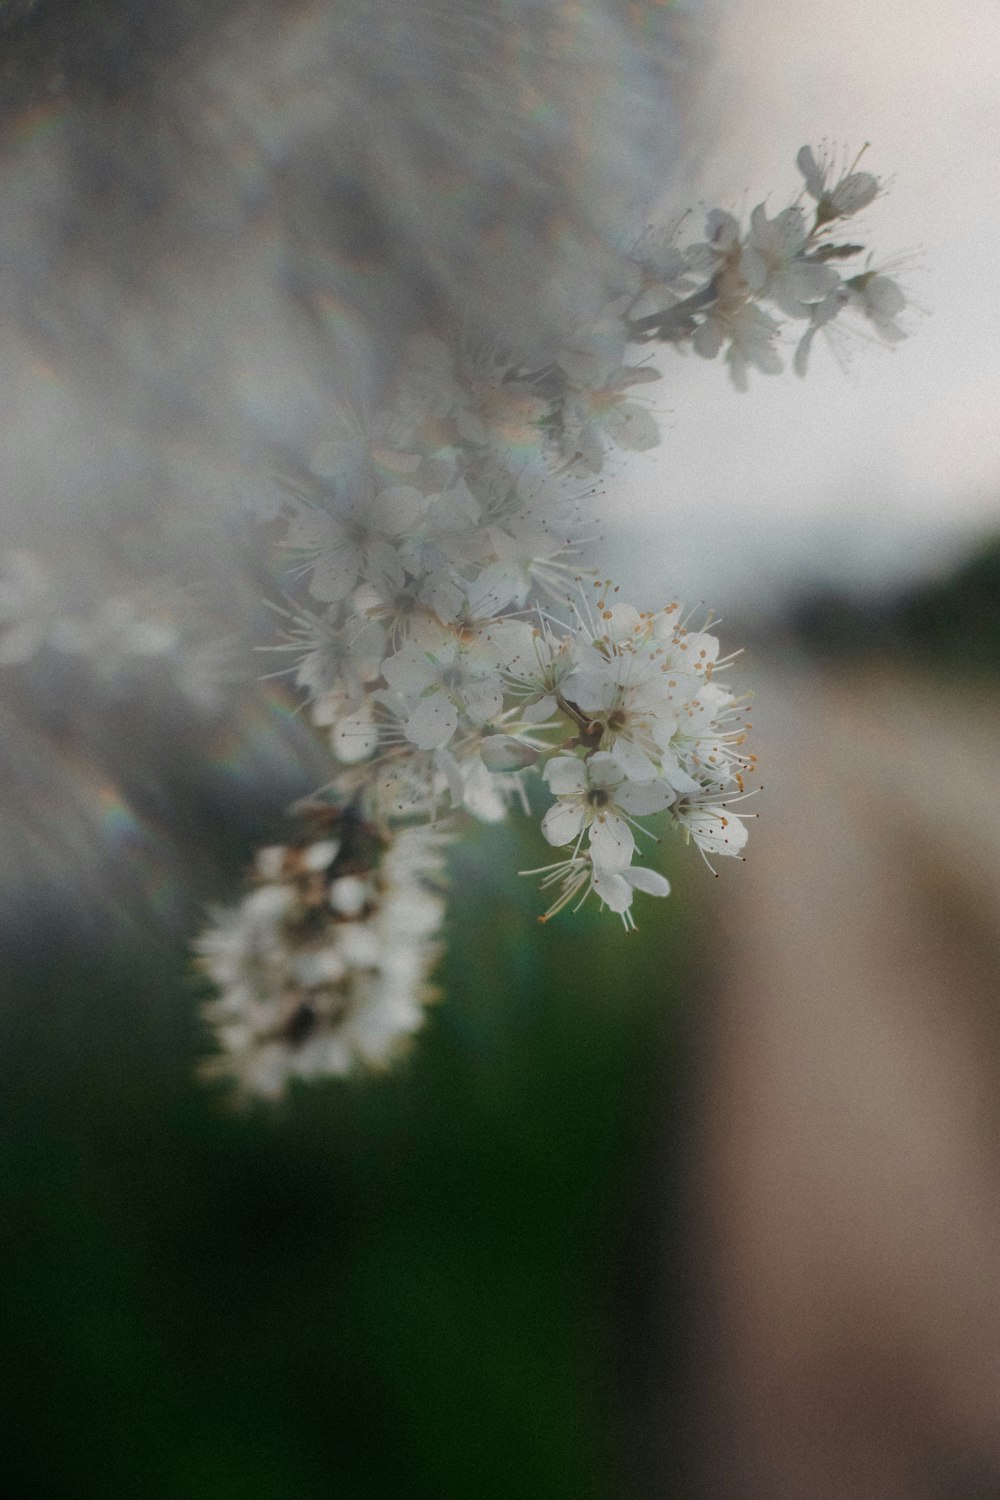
897	462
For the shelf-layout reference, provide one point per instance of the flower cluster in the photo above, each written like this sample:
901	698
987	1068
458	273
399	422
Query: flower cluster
323	966
725	293
450	644
641	729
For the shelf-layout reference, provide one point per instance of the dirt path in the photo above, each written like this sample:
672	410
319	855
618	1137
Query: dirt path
849	1229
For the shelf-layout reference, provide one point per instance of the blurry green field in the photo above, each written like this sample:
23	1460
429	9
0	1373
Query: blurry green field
402	1287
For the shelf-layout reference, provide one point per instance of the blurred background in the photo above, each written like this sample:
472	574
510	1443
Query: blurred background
414	1284
709	1211
845	1152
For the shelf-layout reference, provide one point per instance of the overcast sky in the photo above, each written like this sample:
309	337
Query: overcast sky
896	463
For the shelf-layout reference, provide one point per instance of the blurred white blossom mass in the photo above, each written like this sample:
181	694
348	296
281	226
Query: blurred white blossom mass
220	223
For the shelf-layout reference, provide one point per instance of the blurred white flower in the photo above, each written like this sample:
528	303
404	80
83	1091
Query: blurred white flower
749	334
838	199
441	685
324	967
774	266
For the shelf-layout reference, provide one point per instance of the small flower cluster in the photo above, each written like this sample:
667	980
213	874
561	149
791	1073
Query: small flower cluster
322	968
641	728
617	709
449	645
723	293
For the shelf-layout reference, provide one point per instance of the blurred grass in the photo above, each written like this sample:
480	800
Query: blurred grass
400	1287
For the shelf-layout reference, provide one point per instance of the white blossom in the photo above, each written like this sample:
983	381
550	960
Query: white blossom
579	876
880	300
713	828
441	686
359	545
774	265
748	333
453	649
839	199
594	795
319	972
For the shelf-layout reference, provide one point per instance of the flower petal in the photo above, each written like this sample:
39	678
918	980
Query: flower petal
641	878
355	736
483	699
631	426
432	722
502	752
409	671
563	822
396	510
643	797
635	763
604	770
611	842
591	691
566	776
543	708
613	889
335	573
853	193
449	768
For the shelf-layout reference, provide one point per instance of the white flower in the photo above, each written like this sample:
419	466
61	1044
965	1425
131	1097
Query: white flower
623	701
709	743
359	545
852	192
722	235
712	827
445	683
579	877
617	887
877	297
487	794
499	409
406	782
591	416
821	314
749	332
324	969
528	553
880	300
594	795
336	655
354	731
628	689
535	662
772	263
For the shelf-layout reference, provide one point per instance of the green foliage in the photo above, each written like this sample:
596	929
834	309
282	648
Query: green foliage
400	1286
958	618
951	622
